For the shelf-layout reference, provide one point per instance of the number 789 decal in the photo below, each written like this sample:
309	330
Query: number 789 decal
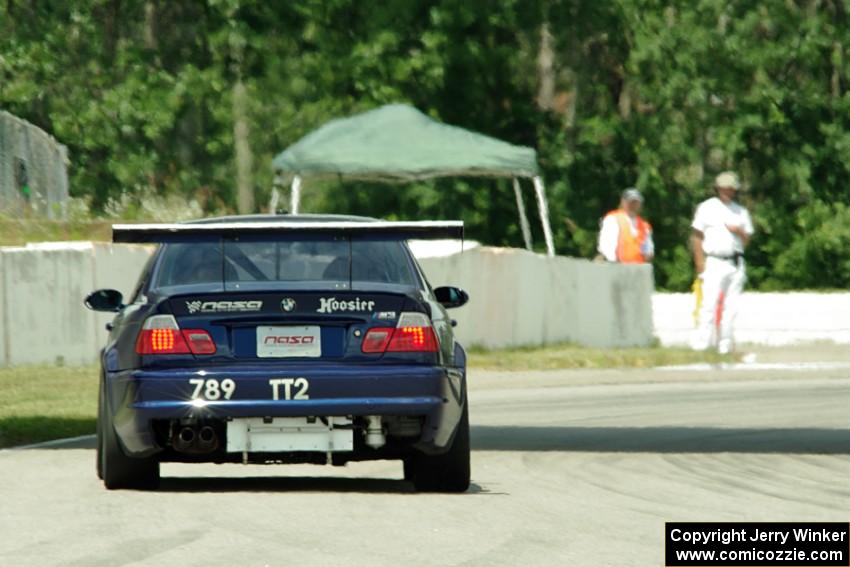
212	389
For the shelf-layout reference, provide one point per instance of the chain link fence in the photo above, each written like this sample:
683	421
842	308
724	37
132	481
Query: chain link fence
33	170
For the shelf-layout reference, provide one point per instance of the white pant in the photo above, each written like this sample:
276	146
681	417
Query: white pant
720	276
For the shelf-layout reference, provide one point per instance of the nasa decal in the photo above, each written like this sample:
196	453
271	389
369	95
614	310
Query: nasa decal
198	306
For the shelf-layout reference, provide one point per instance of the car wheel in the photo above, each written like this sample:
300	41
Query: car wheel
117	469
98	460
448	472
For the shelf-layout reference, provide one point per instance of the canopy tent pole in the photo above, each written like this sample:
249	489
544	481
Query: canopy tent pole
523	218
543	208
295	195
273	201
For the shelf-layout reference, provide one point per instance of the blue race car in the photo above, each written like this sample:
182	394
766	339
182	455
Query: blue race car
283	339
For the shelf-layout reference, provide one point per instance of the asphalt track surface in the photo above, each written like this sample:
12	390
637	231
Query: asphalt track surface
569	468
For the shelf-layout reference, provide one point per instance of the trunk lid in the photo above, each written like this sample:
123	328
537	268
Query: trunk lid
296	325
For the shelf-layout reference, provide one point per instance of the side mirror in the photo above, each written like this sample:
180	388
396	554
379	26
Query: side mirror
109	300
450	297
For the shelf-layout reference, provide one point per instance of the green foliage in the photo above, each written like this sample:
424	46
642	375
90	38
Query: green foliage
823	252
661	95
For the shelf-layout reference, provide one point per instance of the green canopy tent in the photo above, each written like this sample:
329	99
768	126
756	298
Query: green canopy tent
397	143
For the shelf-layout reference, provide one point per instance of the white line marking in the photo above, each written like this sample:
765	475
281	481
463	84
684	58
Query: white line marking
760	366
52	443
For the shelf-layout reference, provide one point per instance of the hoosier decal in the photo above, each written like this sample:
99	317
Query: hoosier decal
332	305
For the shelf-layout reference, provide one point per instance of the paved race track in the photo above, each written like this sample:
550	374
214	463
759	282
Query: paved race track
569	468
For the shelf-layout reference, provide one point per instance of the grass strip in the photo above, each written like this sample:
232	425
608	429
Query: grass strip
17	231
40	403
565	356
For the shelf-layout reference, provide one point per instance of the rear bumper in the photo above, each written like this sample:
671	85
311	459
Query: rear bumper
137	397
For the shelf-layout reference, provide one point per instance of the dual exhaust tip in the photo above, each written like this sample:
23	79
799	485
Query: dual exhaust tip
189	439
200	440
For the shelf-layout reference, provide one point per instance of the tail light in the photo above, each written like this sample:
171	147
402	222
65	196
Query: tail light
377	339
200	341
413	333
161	335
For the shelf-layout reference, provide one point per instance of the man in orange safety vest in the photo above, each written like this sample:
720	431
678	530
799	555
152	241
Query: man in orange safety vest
625	237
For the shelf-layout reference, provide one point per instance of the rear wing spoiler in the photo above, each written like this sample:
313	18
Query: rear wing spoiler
182	232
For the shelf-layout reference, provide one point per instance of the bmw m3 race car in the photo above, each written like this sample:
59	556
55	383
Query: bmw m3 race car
283	339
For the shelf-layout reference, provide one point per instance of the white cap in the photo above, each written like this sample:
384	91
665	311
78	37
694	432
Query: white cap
728	179
632	194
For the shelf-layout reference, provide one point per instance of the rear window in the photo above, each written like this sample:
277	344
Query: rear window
256	262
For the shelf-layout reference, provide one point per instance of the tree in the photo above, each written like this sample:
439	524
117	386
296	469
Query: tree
195	98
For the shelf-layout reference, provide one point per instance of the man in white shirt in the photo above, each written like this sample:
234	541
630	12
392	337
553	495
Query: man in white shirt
625	236
721	230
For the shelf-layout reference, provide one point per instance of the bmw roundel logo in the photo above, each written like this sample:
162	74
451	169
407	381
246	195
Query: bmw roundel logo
288	304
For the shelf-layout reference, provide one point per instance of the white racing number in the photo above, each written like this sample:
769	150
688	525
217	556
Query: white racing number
289	388
212	389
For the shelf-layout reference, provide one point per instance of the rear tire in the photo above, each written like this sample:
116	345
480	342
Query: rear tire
116	469
98	461
449	472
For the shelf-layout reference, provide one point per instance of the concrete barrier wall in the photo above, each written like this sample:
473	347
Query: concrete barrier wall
41	299
772	319
30	156
40	315
518	298
4	313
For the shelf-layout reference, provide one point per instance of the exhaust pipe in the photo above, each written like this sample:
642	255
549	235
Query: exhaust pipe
207	440
374	432
195	441
184	440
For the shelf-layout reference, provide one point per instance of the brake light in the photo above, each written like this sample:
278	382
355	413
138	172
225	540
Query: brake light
413	333
161	335
413	339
